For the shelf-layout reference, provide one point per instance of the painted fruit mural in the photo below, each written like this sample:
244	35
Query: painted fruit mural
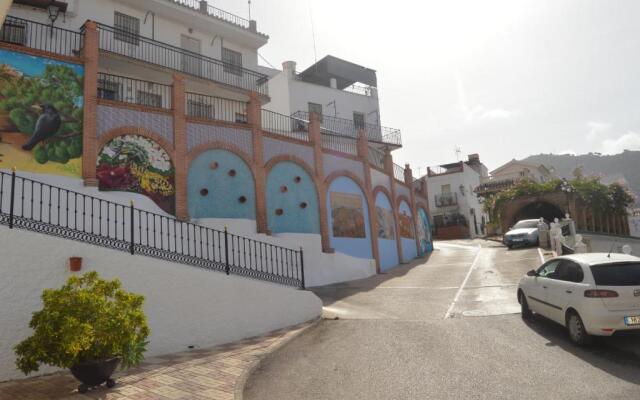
137	164
40	114
347	215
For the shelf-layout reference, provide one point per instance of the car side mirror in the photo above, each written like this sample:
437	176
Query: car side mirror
532	273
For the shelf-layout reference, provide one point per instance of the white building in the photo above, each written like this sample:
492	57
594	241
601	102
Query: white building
510	173
456	210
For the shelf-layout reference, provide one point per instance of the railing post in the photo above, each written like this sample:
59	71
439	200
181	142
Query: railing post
302	267
226	251
180	146
12	199
254	117
131	230
90	92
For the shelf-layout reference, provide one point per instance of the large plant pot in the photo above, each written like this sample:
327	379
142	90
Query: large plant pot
95	373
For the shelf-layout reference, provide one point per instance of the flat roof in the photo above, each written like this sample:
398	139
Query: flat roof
345	72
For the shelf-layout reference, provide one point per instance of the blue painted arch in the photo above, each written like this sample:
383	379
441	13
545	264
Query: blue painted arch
409	249
387	232
292	200
220	185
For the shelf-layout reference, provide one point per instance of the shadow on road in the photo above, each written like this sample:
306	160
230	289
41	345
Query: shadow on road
613	355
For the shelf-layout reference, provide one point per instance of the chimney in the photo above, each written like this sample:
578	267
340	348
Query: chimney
289	68
253	26
333	83
474	157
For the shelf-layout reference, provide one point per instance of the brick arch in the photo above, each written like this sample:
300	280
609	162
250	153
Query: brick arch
299	162
217	145
140	131
512	208
421	204
346	173
402	198
384	190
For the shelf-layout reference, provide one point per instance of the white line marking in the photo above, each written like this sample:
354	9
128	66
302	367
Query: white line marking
541	255
464	282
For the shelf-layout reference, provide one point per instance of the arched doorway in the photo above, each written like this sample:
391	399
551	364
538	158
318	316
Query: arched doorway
537	210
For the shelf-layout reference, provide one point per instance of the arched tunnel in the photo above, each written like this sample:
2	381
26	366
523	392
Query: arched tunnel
536	210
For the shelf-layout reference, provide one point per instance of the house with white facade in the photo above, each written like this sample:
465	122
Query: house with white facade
456	210
511	173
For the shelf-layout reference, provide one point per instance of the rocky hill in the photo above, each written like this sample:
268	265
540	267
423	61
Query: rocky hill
624	166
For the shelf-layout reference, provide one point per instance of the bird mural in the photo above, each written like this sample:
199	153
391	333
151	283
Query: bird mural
47	125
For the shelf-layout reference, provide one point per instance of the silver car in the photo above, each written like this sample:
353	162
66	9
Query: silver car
524	233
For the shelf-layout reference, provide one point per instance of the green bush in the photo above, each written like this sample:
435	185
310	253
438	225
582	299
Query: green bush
88	319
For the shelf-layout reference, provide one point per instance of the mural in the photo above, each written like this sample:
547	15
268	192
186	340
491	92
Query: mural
386	229
407	232
137	164
220	185
406	225
40	114
292	202
387	245
424	232
347	215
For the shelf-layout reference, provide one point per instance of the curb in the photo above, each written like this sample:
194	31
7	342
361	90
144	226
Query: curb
242	379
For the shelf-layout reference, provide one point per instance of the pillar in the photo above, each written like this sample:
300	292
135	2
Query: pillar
90	93
180	146
388	168
254	117
315	138
408	180
363	155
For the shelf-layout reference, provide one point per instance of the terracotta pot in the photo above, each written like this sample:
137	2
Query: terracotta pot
75	264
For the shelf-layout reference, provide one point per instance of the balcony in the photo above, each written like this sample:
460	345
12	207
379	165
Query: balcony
445	169
446	199
34	35
207	9
123	43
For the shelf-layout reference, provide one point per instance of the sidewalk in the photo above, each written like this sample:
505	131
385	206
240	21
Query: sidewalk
197	374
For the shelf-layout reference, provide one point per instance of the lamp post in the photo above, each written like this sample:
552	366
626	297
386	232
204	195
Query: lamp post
566	187
53	10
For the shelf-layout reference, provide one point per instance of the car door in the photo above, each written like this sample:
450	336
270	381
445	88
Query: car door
536	292
563	289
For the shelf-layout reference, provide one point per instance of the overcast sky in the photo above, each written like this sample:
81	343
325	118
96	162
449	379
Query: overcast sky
504	79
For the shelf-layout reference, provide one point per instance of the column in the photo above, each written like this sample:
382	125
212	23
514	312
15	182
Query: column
89	122
408	180
180	146
315	138
388	168
363	155
254	117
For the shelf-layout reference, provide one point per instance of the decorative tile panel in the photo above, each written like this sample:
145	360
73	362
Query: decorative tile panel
274	148
334	163
198	134
114	117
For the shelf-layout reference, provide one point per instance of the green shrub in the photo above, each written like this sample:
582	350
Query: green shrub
88	319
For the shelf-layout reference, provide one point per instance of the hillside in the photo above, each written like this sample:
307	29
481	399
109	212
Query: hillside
611	167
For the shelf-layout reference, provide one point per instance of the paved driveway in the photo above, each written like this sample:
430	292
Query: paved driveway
443	328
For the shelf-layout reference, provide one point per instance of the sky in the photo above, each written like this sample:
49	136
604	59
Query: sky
505	79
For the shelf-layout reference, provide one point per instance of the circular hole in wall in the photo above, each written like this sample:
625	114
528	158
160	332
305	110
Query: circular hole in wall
213	165
297	179
204	192
303	204
283	189
279	211
242	199
232	172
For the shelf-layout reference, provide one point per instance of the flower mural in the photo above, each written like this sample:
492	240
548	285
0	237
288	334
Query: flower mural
406	225
137	164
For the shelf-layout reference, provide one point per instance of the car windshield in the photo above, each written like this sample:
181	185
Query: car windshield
620	274
526	224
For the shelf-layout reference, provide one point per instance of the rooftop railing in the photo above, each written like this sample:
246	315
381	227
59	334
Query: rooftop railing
34	35
215	12
141	48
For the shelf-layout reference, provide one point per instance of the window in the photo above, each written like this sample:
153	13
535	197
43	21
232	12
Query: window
200	109
149	99
570	272
191	64
548	270
358	120
127	28
14	31
620	274
109	90
445	189
232	61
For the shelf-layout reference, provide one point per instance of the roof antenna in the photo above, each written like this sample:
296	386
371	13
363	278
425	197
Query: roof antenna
313	34
458	152
611	249
249	10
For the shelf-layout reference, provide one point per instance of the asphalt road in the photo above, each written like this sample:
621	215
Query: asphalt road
444	328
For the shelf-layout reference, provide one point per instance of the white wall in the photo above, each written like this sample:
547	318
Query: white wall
604	243
185	305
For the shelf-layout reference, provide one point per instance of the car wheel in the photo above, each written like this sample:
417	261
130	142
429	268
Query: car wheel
509	246
577	332
525	311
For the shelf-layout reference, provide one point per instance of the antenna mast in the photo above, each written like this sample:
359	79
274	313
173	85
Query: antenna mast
249	1
458	152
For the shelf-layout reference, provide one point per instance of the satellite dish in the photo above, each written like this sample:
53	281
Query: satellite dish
626	249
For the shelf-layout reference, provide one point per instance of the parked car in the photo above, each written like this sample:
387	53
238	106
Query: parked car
595	294
525	232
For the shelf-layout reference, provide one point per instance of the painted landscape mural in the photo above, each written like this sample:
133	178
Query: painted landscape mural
40	114
137	164
424	232
347	215
406	225
386	229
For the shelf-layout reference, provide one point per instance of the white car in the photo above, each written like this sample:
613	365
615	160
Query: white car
590	294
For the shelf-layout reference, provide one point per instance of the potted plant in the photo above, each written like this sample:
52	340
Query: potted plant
89	325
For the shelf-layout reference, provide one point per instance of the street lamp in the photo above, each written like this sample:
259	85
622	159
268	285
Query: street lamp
53	10
566	187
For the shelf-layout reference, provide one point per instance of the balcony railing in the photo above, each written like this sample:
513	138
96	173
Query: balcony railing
494	186
215	12
369	91
398	172
34	35
376	158
446	199
285	125
216	108
349	128
134	91
141	48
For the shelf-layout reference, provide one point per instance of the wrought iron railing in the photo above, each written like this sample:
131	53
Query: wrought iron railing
376	158
446	199
398	172
134	91
215	12
363	90
165	55
216	108
285	125
341	144
43	208
23	32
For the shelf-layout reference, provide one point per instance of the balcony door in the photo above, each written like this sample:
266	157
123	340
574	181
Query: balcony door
191	64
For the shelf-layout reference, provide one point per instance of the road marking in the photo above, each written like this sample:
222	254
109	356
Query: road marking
541	255
464	282
459	246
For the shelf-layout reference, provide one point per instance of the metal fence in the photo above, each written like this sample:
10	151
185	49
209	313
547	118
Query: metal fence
151	51
339	143
134	91
376	158
285	125
43	208
215	12
216	108
398	172
39	36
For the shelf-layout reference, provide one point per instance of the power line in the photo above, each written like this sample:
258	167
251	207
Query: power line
267	61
